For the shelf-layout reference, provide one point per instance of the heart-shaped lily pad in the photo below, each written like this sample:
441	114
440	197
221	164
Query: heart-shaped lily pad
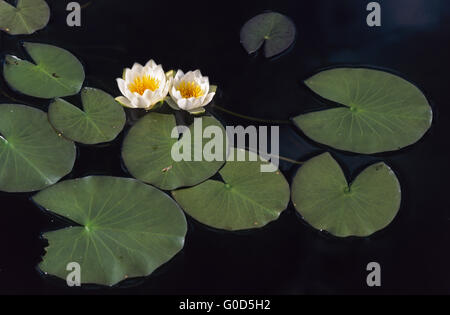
55	73
274	30
32	155
126	228
27	17
147	151
320	193
101	121
380	112
247	198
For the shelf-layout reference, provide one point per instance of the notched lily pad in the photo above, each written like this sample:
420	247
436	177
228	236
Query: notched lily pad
323	197
147	151
55	73
32	155
27	17
380	111
247	198
101	119
126	228
274	30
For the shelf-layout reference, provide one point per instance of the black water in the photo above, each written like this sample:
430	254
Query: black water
287	256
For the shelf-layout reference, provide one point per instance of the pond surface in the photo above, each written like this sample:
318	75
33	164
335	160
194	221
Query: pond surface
287	256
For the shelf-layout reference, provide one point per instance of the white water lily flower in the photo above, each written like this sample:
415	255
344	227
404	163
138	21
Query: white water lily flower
143	86
191	91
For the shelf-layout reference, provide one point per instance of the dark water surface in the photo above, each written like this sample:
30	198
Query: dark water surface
287	256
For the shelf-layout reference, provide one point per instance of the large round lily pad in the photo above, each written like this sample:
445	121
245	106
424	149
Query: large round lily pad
147	152
125	228
320	193
55	73
32	155
274	30
27	17
247	198
380	112
101	121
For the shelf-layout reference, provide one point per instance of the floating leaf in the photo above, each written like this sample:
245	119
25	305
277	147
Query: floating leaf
56	72
101	121
147	152
32	155
126	228
247	198
27	17
320	193
380	112
275	30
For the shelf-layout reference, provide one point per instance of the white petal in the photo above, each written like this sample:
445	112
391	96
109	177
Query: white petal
133	74
122	86
208	98
189	76
205	87
167	86
202	98
172	93
139	102
128	75
157	97
197	74
178	94
159	74
175	94
137	67
149	95
204	80
147	70
178	76
151	63
124	101
183	103
192	103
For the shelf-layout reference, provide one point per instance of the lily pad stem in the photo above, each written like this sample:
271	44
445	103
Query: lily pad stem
279	157
286	159
281	122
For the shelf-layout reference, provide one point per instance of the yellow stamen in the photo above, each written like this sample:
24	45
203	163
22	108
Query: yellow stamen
146	82
190	89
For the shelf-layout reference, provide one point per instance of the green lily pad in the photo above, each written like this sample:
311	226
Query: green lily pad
247	198
148	146
101	121
55	73
27	17
125	228
274	30
32	155
320	193
381	111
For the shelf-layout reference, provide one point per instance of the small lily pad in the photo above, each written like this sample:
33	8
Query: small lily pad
380	111
122	228
55	73
323	197
101	121
274	30
32	155
247	198
27	17
147	152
